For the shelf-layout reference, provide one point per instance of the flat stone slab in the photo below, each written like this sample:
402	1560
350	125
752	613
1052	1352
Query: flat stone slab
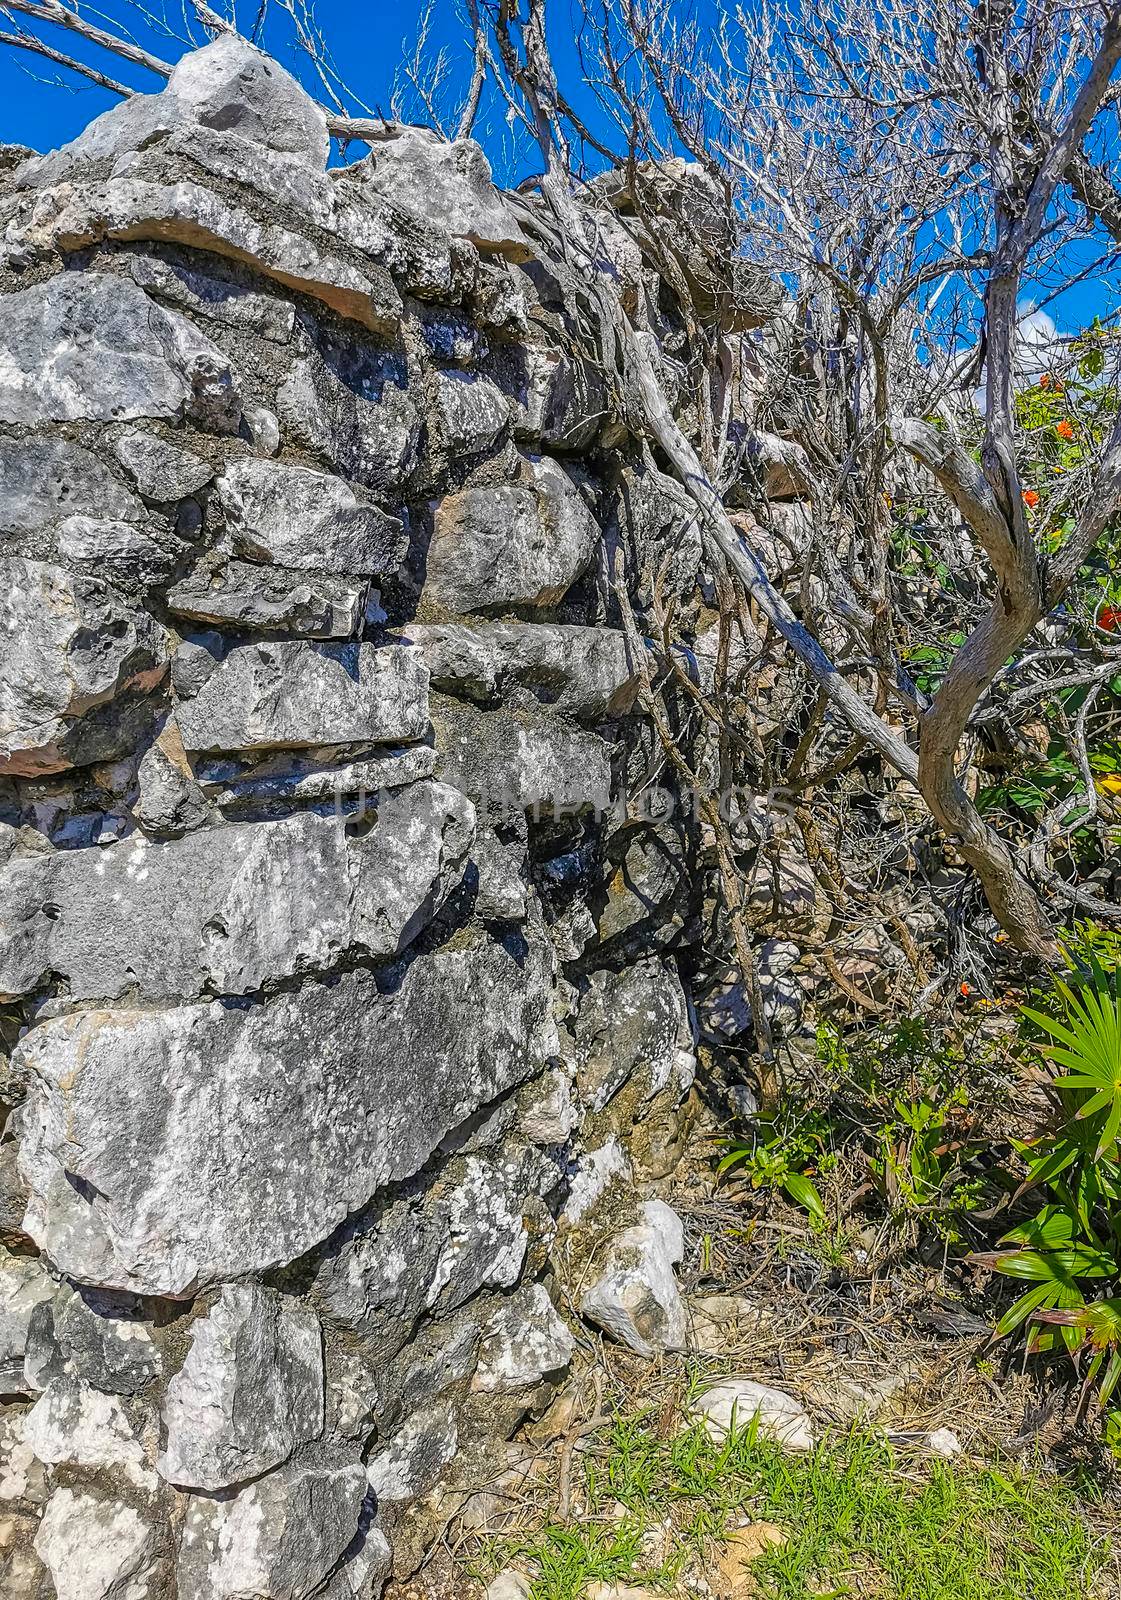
289	694
166	1150
270	599
230	909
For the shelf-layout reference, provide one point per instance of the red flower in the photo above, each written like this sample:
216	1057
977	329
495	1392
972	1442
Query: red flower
1108	618
1064	429
965	989
1031	498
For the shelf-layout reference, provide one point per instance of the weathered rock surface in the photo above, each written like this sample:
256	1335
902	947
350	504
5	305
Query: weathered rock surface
582	672
231	911
305	519
45	479
24	1285
82	1333
517	545
249	1392
413	1460
292	694
275	1540
426	176
159	469
472	412
517	761
186	1130
74	1425
95	1548
89	347
635	1298
270	600
737	1401
227	85
67	647
351	404
524	1343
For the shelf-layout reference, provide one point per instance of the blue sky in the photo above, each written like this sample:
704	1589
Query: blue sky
368	41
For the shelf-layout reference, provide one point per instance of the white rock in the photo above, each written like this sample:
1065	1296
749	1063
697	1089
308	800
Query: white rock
95	1549
509	1585
21	1472
736	1401
549	1116
943	1442
250	1390
636	1299
595	1173
308	520
74	1425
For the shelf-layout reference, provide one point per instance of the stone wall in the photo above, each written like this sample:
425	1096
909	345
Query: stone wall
344	1031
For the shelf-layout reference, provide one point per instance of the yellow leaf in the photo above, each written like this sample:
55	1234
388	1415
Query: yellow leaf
1110	784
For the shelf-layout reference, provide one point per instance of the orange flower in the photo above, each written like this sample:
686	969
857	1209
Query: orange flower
1064	429
1045	381
965	989
1031	498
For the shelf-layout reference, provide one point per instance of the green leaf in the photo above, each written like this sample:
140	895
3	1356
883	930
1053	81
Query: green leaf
803	1193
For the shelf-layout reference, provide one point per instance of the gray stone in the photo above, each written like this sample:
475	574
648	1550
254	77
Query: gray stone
67	646
519	762
277	1539
170	802
95	1547
420	173
161	471
24	1285
231	85
88	347
270	599
514	545
468	1234
635	1299
120	551
85	1334
178	209
290	694
472	411
308	520
250	1391
350	404
73	1424
234	908
525	1343
636	1019
415	1457
227	85
584	672
166	1150
44	479
499	859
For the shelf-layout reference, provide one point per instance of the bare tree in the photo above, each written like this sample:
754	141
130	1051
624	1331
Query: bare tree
906	173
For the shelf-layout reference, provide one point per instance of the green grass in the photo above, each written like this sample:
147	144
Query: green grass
859	1523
